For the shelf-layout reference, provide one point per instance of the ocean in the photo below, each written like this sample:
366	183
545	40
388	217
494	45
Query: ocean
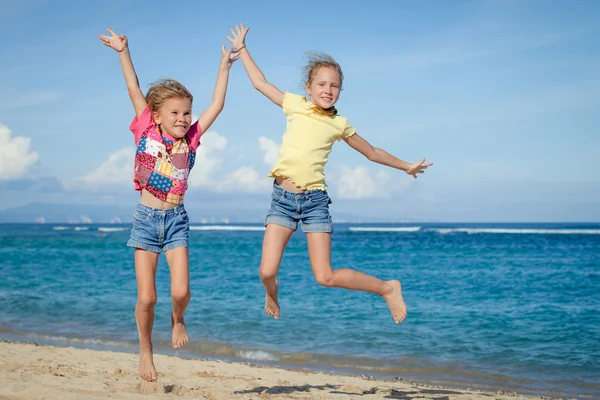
493	306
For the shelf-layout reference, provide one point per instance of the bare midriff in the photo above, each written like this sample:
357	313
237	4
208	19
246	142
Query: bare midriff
150	201
288	185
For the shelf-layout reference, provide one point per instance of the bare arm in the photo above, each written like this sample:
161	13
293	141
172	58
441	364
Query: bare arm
380	156
256	76
218	100
120	45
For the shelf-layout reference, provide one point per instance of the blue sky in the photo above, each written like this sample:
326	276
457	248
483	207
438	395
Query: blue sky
503	96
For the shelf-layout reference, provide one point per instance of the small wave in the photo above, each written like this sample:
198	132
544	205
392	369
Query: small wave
520	231
60	228
81	228
257	355
226	228
385	229
104	229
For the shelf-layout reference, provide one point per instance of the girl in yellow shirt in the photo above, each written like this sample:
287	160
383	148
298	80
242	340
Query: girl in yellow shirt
299	190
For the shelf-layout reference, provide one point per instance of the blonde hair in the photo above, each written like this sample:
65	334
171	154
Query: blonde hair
316	61
163	90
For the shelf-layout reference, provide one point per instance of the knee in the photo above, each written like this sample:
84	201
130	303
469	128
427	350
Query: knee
325	279
147	302
267	274
181	295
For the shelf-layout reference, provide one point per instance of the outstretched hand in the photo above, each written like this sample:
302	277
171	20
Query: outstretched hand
115	42
228	57
239	37
418	168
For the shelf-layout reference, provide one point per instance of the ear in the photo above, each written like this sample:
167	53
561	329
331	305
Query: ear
308	89
156	117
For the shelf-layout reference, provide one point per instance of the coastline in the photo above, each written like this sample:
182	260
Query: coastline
33	371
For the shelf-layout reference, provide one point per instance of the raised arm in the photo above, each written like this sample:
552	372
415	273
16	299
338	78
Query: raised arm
382	157
256	76
120	45
218	100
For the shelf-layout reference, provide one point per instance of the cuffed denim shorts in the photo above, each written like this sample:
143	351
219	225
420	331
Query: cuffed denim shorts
310	207
155	229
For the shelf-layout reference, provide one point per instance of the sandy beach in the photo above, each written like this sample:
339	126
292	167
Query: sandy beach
31	371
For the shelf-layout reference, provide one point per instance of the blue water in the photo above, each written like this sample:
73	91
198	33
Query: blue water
504	306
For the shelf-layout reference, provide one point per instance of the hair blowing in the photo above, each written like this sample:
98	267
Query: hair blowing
317	61
163	90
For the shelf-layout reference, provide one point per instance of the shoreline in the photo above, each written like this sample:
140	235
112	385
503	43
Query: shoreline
33	371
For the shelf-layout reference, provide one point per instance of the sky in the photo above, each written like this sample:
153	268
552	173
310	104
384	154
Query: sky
502	96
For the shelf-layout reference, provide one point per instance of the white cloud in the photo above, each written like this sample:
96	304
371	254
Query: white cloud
207	162
208	171
15	156
357	183
246	179
117	170
271	149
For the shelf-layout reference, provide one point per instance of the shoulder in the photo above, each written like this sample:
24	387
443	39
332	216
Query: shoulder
291	101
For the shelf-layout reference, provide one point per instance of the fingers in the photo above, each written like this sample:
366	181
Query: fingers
111	32
230	39
103	38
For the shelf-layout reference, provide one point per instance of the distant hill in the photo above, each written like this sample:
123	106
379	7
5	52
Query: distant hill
78	213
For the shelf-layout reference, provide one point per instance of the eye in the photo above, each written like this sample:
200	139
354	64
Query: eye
173	112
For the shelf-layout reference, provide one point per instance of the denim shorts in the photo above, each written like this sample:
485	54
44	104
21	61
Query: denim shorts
155	229
310	207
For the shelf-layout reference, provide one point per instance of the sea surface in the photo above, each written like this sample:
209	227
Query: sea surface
493	306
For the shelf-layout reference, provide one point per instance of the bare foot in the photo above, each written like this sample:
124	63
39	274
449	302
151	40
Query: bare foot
147	370
395	301
271	303
180	337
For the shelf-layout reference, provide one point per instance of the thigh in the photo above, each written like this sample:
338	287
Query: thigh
282	212
144	232
177	230
319	251
315	213
146	263
275	240
179	265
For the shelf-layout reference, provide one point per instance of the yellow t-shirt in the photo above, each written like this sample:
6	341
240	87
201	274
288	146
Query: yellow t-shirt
307	142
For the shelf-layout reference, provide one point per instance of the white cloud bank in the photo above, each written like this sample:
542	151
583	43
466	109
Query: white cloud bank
15	156
213	172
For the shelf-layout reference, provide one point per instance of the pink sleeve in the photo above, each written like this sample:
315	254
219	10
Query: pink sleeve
194	135
140	124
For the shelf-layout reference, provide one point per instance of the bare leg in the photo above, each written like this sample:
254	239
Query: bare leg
276	238
146	263
178	261
319	250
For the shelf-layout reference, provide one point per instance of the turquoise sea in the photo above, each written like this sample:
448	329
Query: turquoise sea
494	306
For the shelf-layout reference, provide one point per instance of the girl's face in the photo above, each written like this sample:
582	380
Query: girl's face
175	116
324	88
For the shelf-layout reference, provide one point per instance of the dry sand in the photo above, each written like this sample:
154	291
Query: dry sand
30	371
